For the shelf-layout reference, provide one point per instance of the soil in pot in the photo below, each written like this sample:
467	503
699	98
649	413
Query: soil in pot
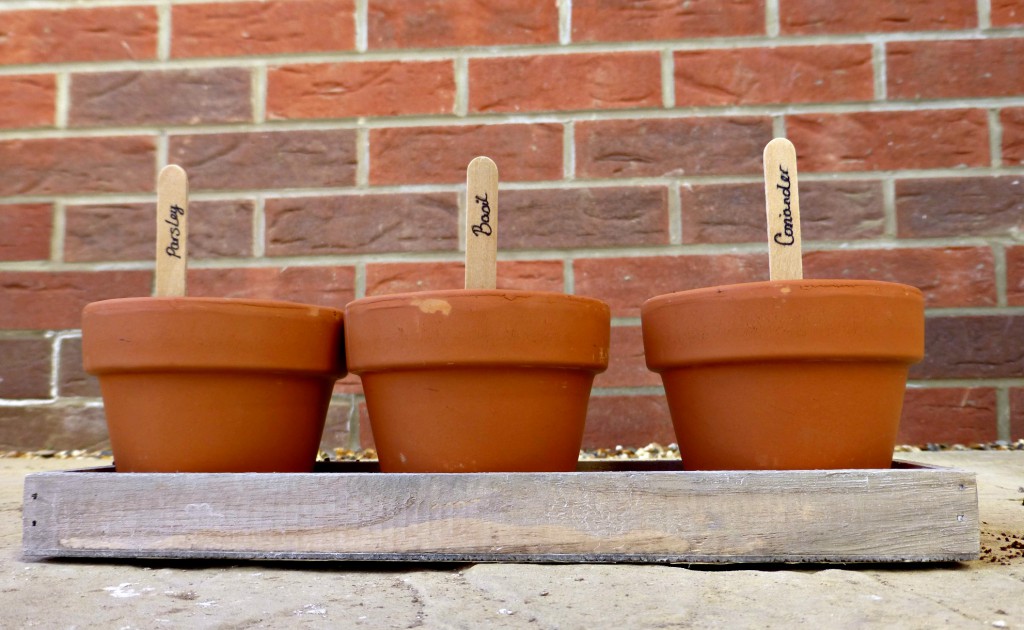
213	385
478	380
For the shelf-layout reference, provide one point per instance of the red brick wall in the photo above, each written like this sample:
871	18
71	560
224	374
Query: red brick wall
326	142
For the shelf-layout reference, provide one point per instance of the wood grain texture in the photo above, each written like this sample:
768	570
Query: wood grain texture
782	208
481	224
171	231
648	514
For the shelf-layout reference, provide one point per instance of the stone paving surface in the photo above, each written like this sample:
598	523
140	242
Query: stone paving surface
985	593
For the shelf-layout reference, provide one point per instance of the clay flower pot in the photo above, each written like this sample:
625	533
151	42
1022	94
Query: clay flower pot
213	385
478	380
796	374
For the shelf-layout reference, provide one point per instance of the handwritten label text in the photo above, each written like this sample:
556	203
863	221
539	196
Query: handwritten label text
175	231
785	237
484	227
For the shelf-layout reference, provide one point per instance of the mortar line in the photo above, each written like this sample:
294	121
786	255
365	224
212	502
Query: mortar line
1003	419
259	227
1001	272
258	96
880	69
890	227
649	390
965	383
668	76
771	18
995	138
779	131
569	151
57	238
164	30
362	158
362	25
675	214
461	69
625	322
62	100
359	280
984	14
58	350
569	275
564	22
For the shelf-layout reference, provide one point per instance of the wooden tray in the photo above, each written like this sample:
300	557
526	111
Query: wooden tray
633	511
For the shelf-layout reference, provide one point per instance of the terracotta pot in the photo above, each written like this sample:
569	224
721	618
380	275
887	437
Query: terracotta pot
802	374
213	385
477	380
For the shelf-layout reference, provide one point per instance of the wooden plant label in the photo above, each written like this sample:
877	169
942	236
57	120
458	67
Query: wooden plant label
481	224
171	231
782	207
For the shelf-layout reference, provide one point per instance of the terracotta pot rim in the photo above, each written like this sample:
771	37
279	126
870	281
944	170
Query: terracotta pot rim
805	284
471	293
793	320
211	334
477	327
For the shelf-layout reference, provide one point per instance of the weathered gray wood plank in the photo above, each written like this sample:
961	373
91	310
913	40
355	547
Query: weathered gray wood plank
646	515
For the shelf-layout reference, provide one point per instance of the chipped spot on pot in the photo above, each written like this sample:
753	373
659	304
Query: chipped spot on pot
785	290
433	305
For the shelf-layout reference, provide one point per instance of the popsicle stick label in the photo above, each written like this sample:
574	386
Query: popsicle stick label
782	209
481	224
171	231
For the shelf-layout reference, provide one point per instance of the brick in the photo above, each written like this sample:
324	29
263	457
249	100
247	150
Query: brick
787	74
948	276
1017	413
337	432
72	379
948	416
1007	13
333	287
626	364
829	210
262	28
267	160
807	17
981	346
69	35
598	20
56	427
677	146
565	218
349	385
523	275
25	368
866	141
565	82
369	88
359	224
443	23
1012	121
48	166
29	101
39	300
1015	275
25	231
625	283
165	97
421	155
969	68
630	421
959	206
105	232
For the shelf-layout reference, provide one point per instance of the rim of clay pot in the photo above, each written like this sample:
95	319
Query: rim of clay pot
451	327
744	322
131	334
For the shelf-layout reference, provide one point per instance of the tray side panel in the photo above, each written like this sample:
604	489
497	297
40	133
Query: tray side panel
755	516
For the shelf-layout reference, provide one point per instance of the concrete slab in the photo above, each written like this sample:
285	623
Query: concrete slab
983	594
